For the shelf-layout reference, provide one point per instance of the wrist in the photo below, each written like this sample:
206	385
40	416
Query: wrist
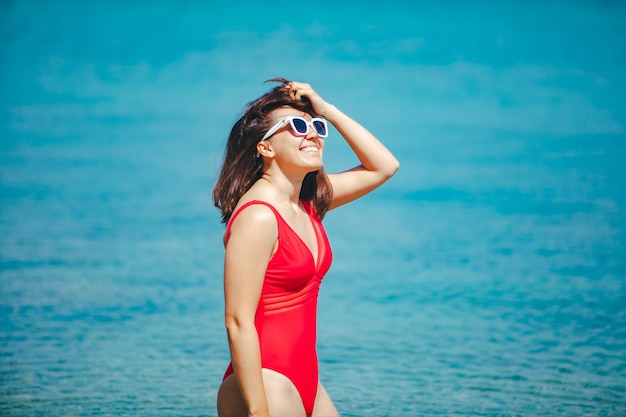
330	112
267	414
260	412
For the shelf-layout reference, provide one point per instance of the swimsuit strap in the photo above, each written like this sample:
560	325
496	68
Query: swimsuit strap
307	207
240	209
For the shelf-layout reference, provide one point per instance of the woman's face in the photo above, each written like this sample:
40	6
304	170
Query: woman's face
292	150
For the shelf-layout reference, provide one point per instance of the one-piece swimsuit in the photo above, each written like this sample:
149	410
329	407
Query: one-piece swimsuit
286	315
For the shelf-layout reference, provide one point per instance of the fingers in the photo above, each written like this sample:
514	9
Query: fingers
298	90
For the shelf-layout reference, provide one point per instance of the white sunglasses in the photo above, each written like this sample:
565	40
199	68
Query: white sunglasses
300	126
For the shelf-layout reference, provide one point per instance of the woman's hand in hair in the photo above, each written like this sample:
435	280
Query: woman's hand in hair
300	90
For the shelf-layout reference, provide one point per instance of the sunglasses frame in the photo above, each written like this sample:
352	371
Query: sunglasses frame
290	119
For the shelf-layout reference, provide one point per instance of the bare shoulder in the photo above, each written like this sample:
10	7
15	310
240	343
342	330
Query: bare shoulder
255	220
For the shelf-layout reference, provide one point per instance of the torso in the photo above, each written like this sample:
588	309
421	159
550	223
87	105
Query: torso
287	312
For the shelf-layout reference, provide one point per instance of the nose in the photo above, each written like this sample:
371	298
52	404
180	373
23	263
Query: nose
312	132
312	135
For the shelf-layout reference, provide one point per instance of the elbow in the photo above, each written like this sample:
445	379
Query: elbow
395	166
391	169
232	323
235	324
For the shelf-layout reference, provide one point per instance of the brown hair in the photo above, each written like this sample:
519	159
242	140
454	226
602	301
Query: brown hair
242	167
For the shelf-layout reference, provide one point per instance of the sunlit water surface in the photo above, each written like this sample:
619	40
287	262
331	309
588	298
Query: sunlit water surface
487	301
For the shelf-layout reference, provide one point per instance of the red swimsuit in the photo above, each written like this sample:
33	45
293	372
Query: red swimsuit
286	316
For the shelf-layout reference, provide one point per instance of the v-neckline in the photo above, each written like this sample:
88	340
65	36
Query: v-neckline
316	230
315	258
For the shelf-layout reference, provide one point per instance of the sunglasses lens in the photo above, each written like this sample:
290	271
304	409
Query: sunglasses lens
300	125
320	127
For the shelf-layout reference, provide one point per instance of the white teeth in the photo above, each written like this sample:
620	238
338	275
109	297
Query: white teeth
310	149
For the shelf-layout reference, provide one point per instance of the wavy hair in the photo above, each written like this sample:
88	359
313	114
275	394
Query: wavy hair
242	168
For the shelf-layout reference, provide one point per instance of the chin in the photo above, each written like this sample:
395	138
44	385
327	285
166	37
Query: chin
312	167
312	160
316	165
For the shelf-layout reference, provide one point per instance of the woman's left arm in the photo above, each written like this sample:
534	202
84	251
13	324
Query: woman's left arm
377	163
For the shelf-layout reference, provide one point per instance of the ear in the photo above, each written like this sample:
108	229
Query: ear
264	148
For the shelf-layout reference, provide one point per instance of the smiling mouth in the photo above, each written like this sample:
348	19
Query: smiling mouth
310	149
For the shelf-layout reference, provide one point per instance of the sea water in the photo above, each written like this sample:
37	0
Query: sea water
487	278
442	300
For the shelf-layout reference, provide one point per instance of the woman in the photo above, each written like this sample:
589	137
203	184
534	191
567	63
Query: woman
272	193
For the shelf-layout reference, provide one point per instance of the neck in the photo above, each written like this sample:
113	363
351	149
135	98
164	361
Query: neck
287	188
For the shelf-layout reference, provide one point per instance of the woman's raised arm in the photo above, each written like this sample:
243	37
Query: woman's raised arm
377	163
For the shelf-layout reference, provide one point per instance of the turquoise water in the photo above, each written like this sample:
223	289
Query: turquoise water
487	278
440	301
